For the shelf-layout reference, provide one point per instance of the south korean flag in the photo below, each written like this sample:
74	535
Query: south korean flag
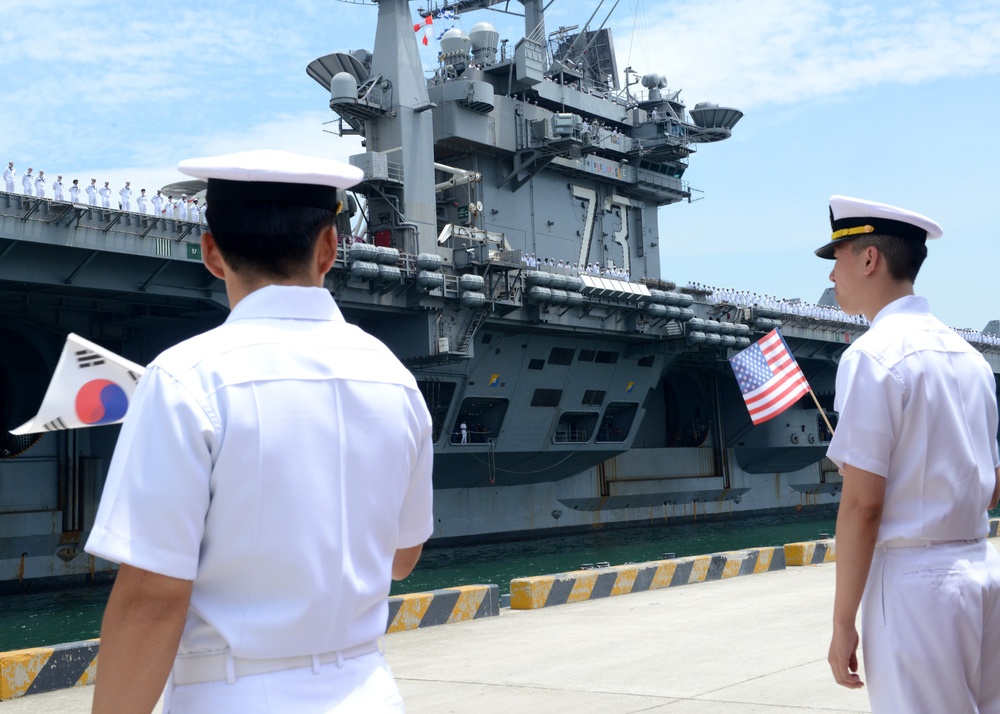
90	387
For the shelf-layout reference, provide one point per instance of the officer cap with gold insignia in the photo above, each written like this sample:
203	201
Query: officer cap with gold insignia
273	176
852	218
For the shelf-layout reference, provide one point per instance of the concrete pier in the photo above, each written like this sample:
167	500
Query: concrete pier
746	644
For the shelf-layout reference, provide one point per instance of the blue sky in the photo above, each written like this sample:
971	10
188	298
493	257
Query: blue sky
886	100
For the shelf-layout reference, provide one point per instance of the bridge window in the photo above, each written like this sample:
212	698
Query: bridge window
604	357
536	364
587	355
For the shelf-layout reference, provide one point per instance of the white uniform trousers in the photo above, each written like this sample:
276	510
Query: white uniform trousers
361	684
930	629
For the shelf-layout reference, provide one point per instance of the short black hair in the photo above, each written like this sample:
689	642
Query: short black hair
903	256
266	238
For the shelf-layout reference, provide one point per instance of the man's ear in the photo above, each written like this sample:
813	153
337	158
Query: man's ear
872	259
326	250
211	256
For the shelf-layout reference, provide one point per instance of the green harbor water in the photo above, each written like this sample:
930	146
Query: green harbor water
54	617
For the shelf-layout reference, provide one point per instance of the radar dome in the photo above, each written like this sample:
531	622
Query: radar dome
455	43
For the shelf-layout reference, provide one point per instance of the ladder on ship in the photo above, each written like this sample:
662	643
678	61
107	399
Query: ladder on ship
475	323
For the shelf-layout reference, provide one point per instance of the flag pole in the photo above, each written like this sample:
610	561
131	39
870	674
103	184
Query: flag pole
821	412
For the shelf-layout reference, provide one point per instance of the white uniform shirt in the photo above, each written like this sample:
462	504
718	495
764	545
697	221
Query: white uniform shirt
126	196
74	193
40	186
140	201
28	184
279	461
57	190
157	201
92	194
918	406
105	196
9	174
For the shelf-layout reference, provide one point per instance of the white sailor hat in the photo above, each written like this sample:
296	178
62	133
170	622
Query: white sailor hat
274	176
854	217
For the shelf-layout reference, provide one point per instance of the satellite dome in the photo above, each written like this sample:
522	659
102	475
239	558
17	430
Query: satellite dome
484	36
344	86
455	43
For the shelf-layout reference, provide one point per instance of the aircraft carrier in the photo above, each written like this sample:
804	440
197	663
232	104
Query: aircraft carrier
505	244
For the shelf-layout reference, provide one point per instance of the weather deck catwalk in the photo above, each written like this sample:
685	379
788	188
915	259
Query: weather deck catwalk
505	244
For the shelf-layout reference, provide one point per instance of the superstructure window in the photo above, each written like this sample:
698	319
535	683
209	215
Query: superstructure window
561	355
604	357
546	398
593	397
536	364
587	355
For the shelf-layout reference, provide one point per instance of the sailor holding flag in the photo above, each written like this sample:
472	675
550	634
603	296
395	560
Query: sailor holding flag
917	446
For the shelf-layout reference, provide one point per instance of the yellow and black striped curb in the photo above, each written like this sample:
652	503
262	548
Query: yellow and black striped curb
45	669
825	551
562	588
439	607
811	552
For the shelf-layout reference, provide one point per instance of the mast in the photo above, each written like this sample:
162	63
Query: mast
405	133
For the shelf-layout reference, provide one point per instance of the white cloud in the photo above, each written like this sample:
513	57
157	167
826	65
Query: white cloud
749	53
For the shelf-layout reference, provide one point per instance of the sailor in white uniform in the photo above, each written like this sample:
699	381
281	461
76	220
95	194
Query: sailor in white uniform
9	176
74	191
105	192
917	445
57	188
126	196
40	184
157	202
28	183
141	201
92	192
249	546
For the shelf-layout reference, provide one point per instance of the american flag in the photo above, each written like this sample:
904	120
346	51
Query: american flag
769	377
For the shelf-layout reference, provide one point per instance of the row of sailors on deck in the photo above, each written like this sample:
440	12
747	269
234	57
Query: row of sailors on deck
746	298
611	271
184	209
